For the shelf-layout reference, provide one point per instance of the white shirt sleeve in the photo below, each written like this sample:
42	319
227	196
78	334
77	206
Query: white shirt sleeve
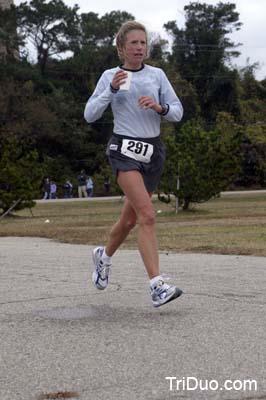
169	97
99	100
129	118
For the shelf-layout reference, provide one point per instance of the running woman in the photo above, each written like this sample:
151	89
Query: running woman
135	150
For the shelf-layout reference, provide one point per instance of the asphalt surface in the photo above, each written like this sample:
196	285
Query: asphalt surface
61	338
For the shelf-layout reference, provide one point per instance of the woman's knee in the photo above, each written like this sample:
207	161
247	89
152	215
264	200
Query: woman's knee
128	223
146	216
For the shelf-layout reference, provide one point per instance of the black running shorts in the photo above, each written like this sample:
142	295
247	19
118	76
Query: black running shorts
146	155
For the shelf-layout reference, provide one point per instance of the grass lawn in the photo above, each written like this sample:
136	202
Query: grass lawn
231	224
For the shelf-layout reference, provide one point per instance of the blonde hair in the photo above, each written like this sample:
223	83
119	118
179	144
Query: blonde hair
122	36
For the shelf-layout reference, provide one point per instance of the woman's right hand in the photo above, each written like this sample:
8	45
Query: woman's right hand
118	79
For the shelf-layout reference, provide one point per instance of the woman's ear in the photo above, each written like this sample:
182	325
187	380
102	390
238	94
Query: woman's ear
120	52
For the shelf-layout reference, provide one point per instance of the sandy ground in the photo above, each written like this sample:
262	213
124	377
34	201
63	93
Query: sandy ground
60	336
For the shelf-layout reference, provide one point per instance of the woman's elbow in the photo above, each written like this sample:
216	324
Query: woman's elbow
180	114
175	115
88	115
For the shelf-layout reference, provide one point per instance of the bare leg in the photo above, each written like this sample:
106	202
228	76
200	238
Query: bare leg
131	182
121	229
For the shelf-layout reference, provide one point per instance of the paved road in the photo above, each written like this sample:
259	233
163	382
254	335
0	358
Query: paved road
60	335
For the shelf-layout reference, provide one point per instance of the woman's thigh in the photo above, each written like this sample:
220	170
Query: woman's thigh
132	184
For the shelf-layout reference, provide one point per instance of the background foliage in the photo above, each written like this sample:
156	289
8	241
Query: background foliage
220	143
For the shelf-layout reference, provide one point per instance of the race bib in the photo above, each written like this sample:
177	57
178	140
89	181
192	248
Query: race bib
139	151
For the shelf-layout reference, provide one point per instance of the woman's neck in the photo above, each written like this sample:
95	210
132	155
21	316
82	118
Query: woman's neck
132	67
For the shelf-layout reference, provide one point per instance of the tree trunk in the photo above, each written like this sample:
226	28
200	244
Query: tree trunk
186	204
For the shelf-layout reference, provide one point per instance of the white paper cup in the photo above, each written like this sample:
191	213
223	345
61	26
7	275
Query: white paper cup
126	85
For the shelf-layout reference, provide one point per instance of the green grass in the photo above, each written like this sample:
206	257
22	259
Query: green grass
232	224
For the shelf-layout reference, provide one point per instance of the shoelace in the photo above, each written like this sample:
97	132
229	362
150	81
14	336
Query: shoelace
160	288
103	269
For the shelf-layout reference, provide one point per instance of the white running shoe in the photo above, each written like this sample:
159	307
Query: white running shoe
161	293
101	272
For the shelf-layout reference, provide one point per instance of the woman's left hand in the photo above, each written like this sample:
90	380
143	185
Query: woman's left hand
147	102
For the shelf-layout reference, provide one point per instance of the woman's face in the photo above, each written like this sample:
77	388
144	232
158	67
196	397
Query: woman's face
135	49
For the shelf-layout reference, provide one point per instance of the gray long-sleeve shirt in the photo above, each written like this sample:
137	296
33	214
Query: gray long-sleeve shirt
129	118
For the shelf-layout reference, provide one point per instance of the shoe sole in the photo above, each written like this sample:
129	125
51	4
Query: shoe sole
177	293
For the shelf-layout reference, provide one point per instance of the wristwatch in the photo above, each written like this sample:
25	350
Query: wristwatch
165	109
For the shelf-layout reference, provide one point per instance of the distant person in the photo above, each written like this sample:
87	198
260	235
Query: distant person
82	182
68	189
136	151
107	185
53	190
89	187
46	189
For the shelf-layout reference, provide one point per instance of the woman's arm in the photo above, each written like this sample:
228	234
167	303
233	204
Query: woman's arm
99	100
106	88
173	109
